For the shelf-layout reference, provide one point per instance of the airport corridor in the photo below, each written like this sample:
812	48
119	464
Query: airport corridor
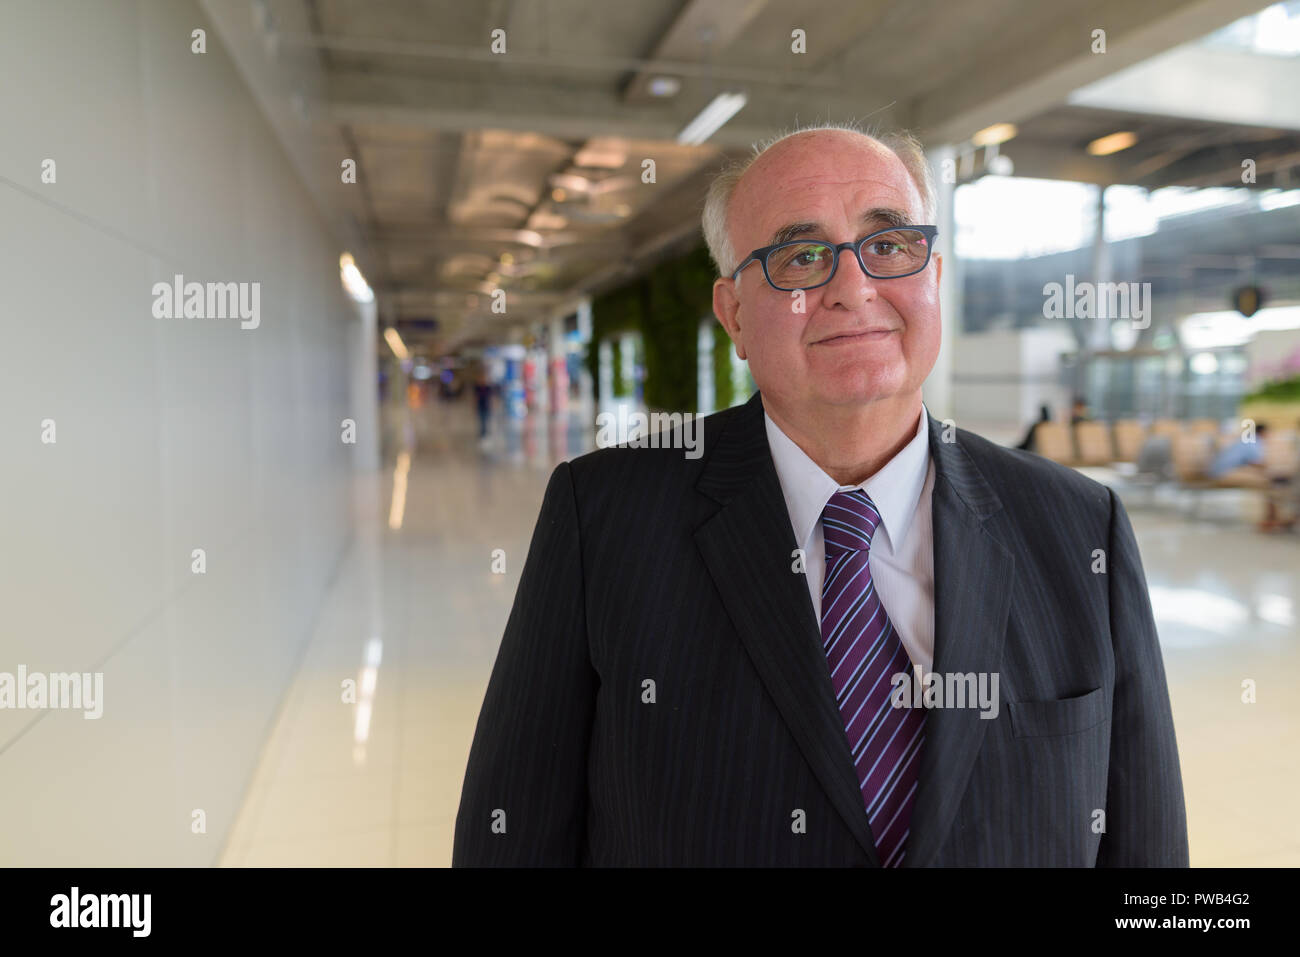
415	614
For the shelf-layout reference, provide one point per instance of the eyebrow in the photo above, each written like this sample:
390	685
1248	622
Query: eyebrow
881	217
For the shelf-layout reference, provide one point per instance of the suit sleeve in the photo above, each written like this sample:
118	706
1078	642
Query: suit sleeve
1146	821
524	799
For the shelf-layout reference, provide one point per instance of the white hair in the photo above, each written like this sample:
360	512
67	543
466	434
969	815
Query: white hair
900	142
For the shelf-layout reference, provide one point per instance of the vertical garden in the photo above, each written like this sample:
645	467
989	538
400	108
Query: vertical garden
665	306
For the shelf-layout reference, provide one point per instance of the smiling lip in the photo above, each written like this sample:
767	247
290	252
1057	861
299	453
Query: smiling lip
844	338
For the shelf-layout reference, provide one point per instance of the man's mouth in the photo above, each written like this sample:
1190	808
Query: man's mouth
860	335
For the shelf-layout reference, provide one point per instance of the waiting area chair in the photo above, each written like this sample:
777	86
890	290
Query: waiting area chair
1176	451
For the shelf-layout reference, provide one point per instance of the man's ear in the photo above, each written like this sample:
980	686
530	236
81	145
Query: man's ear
727	308
938	267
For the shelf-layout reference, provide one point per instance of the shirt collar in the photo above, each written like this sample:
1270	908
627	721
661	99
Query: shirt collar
895	488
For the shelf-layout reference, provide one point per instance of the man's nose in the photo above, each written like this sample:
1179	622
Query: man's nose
850	287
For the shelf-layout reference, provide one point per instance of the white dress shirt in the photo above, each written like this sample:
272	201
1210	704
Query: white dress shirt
902	549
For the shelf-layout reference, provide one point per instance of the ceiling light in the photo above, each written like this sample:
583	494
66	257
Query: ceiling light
542	219
664	86
992	135
395	343
353	281
1105	145
722	108
571	181
601	154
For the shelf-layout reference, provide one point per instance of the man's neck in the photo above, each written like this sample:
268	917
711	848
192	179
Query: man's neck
851	443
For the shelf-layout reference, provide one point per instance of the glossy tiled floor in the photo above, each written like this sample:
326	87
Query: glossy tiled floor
416	614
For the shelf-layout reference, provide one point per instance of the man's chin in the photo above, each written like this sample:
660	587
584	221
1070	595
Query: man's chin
861	388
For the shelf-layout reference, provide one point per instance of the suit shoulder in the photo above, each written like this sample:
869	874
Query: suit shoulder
1010	470
671	448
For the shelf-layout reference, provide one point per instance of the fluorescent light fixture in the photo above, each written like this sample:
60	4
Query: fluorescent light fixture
711	119
395	343
1105	145
353	281
992	135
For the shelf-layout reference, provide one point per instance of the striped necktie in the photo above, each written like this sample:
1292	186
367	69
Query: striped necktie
863	652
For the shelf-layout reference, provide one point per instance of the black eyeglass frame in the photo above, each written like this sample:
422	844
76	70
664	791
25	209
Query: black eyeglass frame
761	255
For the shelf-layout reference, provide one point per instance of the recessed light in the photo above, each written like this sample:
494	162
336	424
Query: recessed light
664	86
602	153
997	133
1105	145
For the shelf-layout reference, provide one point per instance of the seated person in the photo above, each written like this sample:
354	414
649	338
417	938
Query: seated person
1239	455
1079	411
1242	464
1027	443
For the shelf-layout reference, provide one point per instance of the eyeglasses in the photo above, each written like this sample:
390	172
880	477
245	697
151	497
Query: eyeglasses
807	264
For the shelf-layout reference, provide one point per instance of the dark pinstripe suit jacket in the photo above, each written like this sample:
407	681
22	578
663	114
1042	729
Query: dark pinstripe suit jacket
647	566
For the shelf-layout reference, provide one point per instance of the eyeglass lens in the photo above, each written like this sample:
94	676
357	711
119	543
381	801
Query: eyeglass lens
801	265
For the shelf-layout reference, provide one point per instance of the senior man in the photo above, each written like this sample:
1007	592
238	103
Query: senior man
847	634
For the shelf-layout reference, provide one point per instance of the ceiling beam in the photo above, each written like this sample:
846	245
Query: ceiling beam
1034	74
568	112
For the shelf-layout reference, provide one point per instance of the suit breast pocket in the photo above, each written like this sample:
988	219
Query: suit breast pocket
1040	719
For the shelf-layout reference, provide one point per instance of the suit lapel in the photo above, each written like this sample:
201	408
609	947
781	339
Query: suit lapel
747	545
973	572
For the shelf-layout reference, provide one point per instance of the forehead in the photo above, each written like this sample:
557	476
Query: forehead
828	177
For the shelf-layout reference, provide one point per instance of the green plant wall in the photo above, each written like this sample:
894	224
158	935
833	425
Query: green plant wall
665	305
617	311
724	396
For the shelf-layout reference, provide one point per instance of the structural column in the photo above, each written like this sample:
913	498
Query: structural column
938	389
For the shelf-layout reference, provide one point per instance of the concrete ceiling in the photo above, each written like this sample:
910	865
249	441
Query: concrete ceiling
522	170
1169	151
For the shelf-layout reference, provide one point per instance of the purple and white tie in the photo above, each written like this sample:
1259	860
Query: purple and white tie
863	652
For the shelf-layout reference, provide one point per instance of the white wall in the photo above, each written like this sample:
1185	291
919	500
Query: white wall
1001	378
172	434
1267	350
